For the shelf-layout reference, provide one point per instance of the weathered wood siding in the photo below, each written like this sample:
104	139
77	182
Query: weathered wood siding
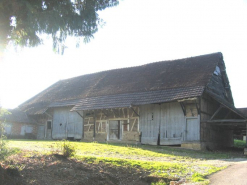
66	124
149	123
168	124
172	124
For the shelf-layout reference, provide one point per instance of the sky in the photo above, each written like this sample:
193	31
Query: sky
136	32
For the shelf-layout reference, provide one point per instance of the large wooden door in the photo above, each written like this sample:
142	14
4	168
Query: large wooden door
192	129
74	127
59	124
172	124
149	124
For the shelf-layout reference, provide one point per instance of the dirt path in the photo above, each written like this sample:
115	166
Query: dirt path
235	174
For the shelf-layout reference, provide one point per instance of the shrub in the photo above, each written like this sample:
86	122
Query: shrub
239	143
67	149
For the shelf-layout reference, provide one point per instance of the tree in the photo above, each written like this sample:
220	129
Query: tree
22	22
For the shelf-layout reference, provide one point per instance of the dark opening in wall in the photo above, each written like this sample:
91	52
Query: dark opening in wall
48	124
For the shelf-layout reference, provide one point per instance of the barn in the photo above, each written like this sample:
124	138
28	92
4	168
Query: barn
185	102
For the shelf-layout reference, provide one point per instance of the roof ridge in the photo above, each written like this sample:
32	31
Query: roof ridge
150	63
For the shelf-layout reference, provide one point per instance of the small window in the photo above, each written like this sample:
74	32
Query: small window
48	124
217	71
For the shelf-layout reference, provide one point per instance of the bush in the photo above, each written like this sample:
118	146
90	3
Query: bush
239	143
67	149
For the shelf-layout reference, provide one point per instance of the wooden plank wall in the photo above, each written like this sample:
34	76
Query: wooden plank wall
172	124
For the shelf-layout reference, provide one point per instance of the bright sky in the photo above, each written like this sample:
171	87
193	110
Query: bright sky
137	32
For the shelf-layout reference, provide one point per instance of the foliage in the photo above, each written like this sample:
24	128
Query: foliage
68	149
4	151
22	22
239	143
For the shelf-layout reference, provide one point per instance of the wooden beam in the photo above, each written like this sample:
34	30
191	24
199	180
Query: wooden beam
216	112
227	121
48	115
198	109
80	114
246	135
183	108
206	113
94	123
133	125
135	112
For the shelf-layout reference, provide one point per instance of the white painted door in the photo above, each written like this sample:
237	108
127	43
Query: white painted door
192	131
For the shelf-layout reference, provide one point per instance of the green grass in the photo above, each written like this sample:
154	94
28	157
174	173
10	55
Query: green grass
162	162
239	143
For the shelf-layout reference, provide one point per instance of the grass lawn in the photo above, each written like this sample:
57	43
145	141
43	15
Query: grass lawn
160	162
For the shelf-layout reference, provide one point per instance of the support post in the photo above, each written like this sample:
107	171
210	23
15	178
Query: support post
94	124
245	149
246	136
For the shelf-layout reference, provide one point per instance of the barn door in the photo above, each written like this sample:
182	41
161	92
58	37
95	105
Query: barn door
172	124
114	130
59	124
149	124
192	129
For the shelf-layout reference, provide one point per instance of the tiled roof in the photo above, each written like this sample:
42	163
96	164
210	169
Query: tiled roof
17	116
158	76
131	99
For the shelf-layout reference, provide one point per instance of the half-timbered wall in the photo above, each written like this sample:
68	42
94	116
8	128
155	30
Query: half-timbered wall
120	124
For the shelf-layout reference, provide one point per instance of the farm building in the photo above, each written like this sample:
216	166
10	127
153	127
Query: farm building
185	102
18	125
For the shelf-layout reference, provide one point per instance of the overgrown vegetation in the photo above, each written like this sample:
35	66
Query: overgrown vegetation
162	163
239	143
